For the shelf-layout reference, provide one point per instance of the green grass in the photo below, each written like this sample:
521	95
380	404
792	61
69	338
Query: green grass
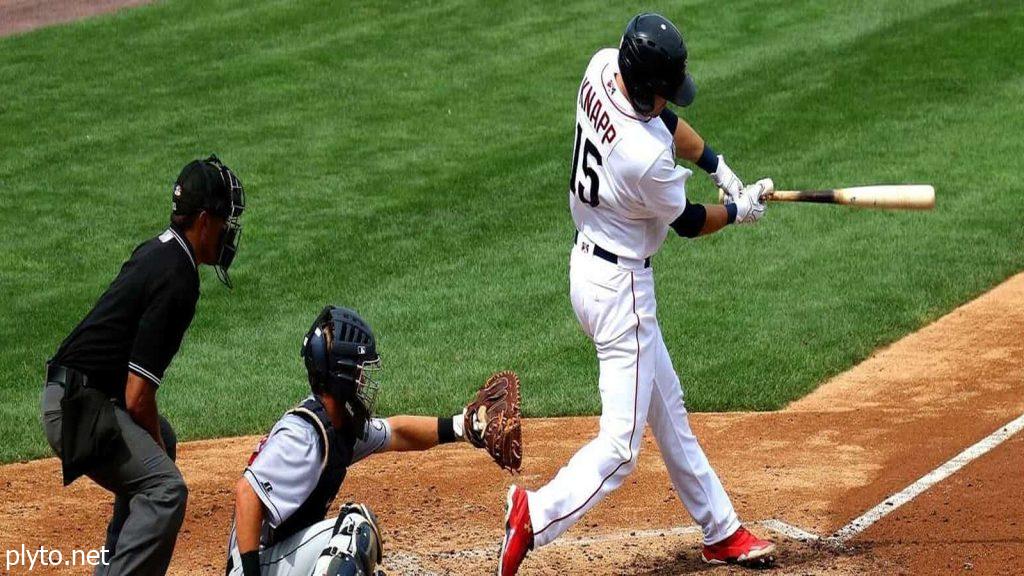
411	162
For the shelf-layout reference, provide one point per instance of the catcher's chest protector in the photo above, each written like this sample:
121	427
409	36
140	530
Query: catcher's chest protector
336	448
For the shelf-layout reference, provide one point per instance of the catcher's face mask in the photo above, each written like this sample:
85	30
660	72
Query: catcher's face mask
368	385
359	394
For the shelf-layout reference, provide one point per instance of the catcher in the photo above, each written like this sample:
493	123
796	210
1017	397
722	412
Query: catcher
294	474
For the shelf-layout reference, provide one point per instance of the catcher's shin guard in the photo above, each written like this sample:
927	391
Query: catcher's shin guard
355	549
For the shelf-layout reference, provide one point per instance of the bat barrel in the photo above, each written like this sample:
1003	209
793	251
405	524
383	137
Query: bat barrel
905	197
893	197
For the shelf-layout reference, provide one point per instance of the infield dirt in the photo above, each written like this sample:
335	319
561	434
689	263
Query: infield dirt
817	464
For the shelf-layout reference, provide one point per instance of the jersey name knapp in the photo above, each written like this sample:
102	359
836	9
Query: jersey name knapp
625	187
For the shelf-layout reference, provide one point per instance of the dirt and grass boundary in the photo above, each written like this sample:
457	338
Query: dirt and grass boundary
20	16
808	469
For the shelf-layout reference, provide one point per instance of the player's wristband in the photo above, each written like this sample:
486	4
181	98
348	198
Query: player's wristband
708	160
446	430
730	209
251	563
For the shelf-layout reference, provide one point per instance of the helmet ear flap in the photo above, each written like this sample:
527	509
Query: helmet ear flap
319	353
642	99
314	353
639	92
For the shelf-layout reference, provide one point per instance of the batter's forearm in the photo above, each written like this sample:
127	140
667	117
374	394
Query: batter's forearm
717	218
689	144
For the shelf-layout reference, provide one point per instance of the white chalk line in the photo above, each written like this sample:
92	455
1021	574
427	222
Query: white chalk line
862	522
790	531
412	563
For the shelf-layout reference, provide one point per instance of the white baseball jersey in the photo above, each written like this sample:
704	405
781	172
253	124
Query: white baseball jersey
625	187
625	191
286	466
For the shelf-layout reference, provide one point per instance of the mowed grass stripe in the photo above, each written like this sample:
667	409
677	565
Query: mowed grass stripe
411	162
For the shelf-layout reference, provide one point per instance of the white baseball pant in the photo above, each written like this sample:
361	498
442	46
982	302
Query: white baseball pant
616	307
295	555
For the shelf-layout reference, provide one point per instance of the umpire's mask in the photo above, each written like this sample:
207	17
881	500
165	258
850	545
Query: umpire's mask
211	186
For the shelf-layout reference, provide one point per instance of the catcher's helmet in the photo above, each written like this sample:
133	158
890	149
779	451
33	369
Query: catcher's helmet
340	353
652	61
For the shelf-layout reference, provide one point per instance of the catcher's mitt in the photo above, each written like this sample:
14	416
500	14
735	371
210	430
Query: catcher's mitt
492	420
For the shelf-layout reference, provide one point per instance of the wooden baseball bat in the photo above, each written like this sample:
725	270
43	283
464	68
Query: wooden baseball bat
892	197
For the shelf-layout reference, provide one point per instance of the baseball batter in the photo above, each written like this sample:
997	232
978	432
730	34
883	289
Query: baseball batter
294	474
625	193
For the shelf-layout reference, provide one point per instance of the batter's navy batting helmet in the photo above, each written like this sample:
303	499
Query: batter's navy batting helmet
652	61
340	353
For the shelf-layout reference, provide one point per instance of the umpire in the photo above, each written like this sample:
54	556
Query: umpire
99	402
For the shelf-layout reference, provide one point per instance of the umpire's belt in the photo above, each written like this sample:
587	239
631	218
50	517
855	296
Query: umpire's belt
57	375
586	245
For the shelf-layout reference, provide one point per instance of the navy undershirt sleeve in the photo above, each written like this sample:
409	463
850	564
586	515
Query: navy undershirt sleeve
691	221
670	119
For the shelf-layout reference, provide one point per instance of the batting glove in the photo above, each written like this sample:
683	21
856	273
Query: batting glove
727	181
750	205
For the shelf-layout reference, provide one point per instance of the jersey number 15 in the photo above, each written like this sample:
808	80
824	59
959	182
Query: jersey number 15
590	152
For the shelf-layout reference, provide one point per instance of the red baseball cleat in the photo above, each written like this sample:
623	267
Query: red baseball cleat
741	548
518	532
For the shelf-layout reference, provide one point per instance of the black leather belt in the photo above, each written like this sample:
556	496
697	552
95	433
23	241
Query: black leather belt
58	375
604	254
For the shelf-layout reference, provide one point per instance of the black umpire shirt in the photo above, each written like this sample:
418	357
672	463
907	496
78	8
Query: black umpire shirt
138	323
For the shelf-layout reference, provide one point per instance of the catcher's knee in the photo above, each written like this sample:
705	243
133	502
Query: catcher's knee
355	548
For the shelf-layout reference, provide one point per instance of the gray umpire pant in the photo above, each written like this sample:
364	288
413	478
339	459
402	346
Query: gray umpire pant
149	493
